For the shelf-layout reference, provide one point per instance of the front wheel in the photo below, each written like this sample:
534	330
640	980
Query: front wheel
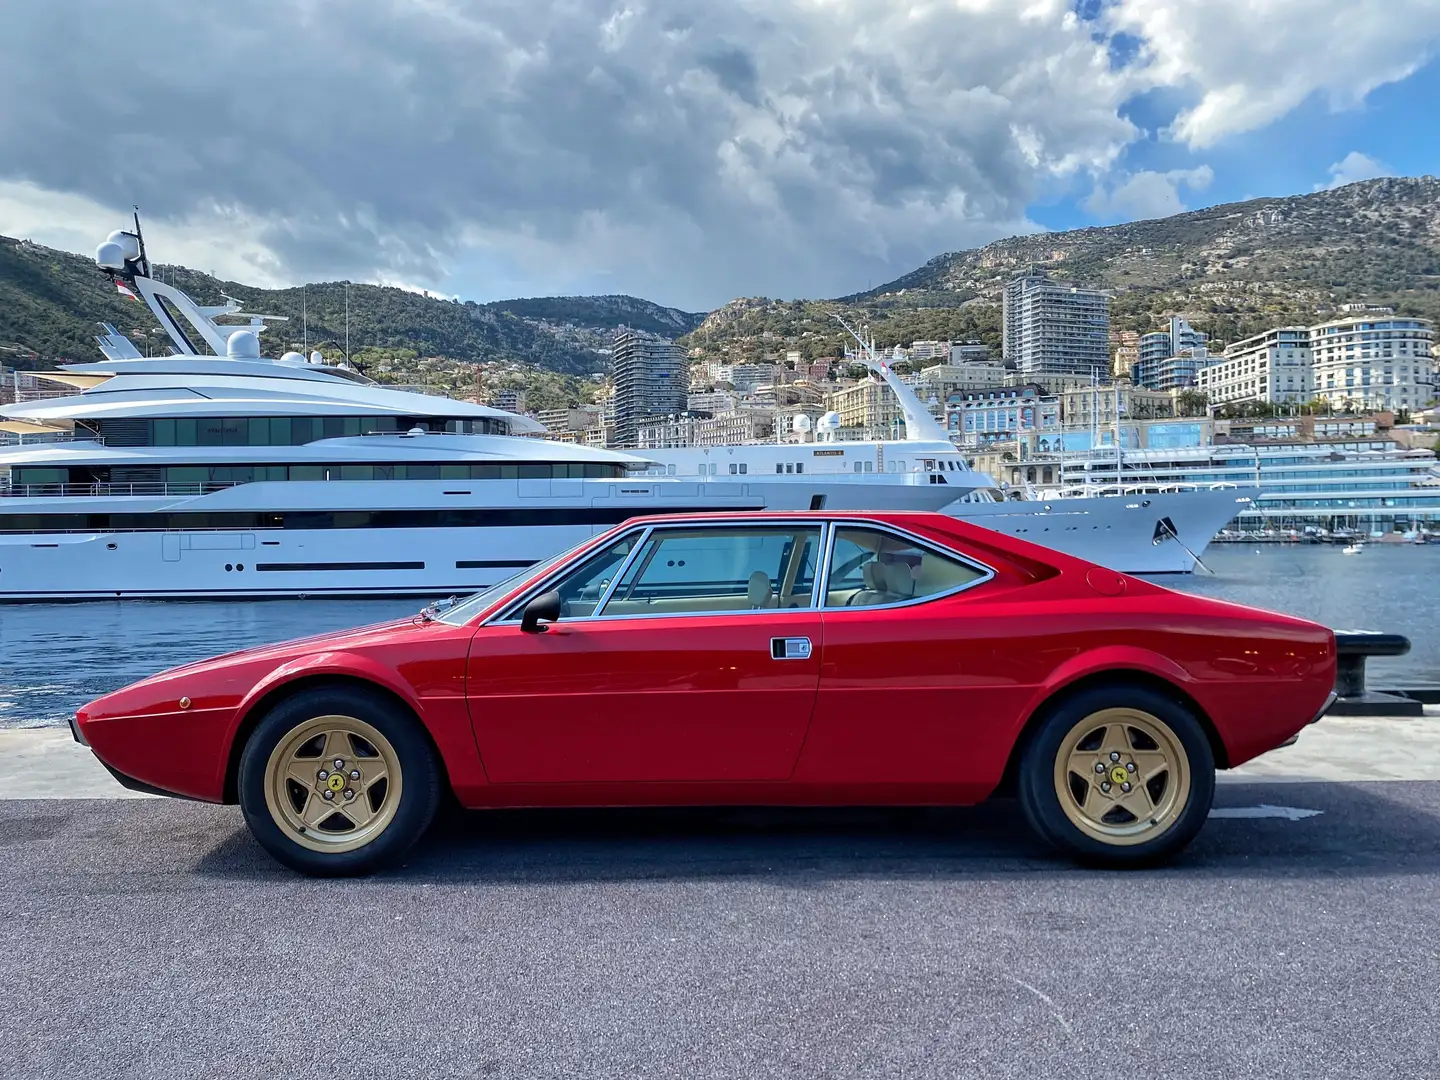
1118	775
337	781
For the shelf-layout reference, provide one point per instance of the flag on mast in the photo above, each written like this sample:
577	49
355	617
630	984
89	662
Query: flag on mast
125	290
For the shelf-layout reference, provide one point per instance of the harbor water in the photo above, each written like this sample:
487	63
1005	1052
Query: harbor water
55	657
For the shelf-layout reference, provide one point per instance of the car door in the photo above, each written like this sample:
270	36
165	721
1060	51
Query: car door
914	681
682	653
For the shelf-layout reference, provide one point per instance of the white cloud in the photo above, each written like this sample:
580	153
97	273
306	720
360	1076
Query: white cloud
1147	194
1354	167
1249	62
212	239
680	149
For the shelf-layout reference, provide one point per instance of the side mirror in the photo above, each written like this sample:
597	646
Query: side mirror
544	608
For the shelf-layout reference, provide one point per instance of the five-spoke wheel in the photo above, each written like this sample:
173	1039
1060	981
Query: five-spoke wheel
1119	774
337	780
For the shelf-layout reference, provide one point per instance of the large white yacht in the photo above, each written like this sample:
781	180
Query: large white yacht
216	472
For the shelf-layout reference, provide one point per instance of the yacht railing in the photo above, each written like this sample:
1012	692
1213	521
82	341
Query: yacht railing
110	490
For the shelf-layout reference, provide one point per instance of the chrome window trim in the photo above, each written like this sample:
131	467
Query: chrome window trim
503	618
987	572
622	570
502	615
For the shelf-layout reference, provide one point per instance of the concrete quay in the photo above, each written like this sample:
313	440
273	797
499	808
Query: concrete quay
1299	936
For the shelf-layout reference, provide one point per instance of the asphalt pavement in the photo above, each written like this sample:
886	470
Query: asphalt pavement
153	938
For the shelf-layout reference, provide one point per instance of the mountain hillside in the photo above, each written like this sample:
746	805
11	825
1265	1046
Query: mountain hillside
51	301
1233	270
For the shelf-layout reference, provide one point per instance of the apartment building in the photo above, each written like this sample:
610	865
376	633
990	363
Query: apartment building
1056	329
1273	367
1370	362
651	376
868	409
976	418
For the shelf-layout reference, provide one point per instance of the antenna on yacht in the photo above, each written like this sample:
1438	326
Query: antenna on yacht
142	264
919	424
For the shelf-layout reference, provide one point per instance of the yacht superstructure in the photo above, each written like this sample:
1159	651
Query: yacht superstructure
216	472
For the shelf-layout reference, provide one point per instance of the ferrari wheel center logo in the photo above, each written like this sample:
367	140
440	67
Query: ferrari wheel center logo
1118	775
336	783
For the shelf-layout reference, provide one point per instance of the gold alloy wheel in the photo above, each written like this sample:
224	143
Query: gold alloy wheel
333	783
1122	776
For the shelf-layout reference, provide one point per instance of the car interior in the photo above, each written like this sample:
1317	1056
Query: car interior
723	570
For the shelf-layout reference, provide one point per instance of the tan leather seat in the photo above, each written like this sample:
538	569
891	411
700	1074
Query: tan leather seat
899	581
874	591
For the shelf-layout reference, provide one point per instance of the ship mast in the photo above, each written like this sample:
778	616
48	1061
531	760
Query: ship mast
920	426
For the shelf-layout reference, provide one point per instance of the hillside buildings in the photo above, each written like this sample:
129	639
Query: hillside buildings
1170	359
651	377
1360	363
1056	329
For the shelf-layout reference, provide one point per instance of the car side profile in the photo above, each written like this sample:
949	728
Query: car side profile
742	659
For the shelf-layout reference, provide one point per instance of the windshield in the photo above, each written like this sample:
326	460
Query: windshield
472	605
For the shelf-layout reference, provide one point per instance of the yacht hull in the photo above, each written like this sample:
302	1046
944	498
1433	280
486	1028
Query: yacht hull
533	520
1128	533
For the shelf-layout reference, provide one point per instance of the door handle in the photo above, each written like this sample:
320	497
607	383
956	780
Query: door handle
790	648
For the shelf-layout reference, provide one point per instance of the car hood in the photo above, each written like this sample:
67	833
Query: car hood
223	681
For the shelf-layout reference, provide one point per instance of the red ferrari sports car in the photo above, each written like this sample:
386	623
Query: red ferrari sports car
741	658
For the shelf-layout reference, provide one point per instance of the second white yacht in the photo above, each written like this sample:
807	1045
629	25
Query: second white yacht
1136	528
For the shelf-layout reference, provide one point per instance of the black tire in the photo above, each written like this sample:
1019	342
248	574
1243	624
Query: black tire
419	793
1041	801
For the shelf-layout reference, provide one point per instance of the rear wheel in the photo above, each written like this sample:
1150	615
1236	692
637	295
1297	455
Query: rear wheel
337	781
1119	775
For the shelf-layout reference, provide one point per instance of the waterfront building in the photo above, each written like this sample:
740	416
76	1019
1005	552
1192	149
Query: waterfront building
574	420
1125	345
1169	359
975	418
651	376
971	352
511	400
746	377
1312	472
941	380
1056	329
1084	408
1367	363
1273	367
929	350
867	410
734	427
710	402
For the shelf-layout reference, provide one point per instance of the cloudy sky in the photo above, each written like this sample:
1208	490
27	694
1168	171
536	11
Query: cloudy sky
687	151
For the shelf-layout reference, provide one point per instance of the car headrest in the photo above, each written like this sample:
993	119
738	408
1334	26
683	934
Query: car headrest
898	579
759	589
873	577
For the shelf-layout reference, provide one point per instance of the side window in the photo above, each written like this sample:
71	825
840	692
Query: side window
869	567
581	591
682	571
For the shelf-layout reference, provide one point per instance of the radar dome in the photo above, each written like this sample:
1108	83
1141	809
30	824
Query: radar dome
129	243
243	345
800	423
293	357
110	256
829	422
